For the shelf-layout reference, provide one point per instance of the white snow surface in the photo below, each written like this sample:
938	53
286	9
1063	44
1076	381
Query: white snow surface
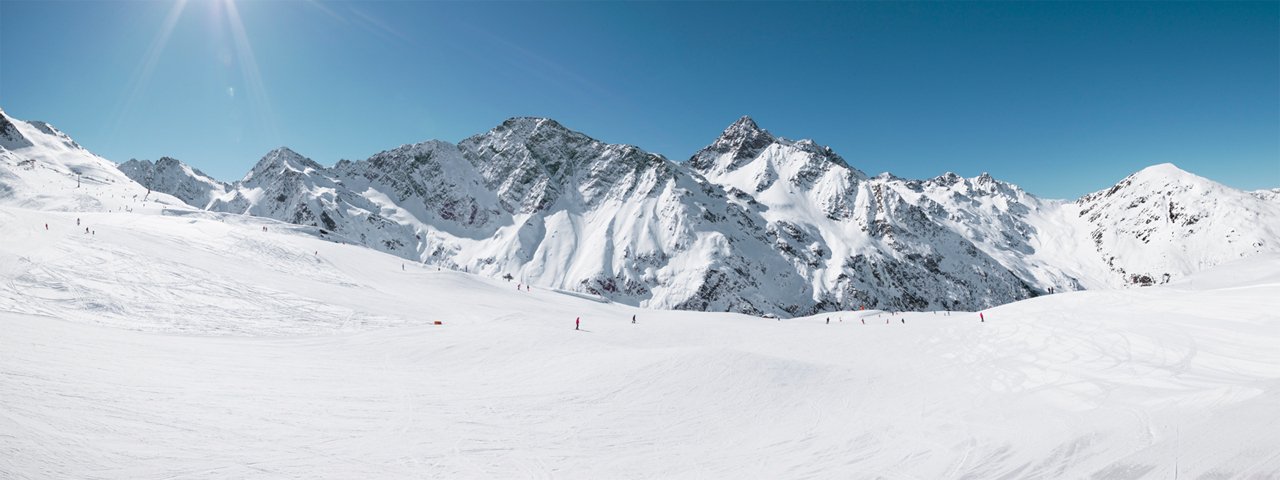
195	345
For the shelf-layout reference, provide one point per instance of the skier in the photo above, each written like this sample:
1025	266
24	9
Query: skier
528	288
577	322
86	229
77	222
401	267
981	318
864	321
46	226
904	321
519	286
633	319
828	320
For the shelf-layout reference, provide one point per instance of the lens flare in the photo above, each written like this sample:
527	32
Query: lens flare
256	89
142	75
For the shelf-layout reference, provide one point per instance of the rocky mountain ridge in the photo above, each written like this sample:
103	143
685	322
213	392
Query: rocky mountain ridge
752	223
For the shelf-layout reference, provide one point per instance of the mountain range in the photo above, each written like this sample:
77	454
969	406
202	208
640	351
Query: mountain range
751	223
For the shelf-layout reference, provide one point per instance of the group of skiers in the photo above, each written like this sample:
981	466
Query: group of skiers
87	231
577	321
903	320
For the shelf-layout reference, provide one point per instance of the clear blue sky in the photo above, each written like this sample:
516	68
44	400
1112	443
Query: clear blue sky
1061	98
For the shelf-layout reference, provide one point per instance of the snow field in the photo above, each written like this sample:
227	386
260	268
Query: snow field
199	346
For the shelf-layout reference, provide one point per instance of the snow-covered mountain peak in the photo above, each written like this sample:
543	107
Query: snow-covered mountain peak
745	128
43	168
280	161
1163	170
1162	223
520	130
748	158
740	142
533	162
947	179
174	177
12	137
1164	179
744	150
1271	195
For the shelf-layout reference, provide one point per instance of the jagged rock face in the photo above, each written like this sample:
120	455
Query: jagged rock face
1162	223
290	187
431	179
10	137
1272	195
532	163
751	223
856	241
621	222
175	178
738	144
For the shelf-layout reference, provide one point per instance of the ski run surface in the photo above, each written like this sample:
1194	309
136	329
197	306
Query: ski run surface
178	344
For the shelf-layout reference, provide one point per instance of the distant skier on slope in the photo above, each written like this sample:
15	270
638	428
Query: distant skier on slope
982	318
577	323
633	319
828	320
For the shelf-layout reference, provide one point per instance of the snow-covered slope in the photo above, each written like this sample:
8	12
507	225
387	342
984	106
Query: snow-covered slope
1163	223
43	168
857	241
617	221
196	345
1002	243
752	223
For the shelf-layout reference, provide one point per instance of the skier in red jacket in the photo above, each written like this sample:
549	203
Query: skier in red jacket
577	322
